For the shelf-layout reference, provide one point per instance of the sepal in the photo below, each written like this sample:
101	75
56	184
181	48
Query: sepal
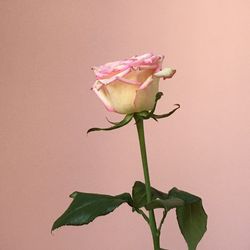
156	117
120	124
140	115
150	114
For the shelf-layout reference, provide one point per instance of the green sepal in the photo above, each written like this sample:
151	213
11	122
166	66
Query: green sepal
85	207
192	218
120	124
157	98
113	123
140	115
149	114
156	117
139	194
143	115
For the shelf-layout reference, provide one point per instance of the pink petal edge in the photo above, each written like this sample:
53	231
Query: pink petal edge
104	101
148	60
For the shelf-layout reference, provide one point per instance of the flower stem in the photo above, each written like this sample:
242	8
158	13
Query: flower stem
152	222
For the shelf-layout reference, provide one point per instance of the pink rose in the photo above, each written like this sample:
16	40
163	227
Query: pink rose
130	85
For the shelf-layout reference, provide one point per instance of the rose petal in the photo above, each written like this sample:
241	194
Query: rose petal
165	73
104	96
122	96
147	82
145	98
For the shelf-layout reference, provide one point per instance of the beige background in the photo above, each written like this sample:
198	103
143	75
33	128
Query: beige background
47	48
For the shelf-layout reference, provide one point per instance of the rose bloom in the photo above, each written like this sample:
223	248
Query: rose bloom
130	85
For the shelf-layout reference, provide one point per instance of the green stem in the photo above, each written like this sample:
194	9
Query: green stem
152	222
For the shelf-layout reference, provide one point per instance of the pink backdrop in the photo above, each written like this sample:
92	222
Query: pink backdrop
46	51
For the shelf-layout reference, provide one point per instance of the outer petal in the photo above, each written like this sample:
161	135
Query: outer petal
122	96
145	98
147	82
104	96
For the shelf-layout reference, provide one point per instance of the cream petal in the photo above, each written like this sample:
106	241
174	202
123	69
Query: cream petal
147	82
104	96
145	98
139	75
165	73
122	96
